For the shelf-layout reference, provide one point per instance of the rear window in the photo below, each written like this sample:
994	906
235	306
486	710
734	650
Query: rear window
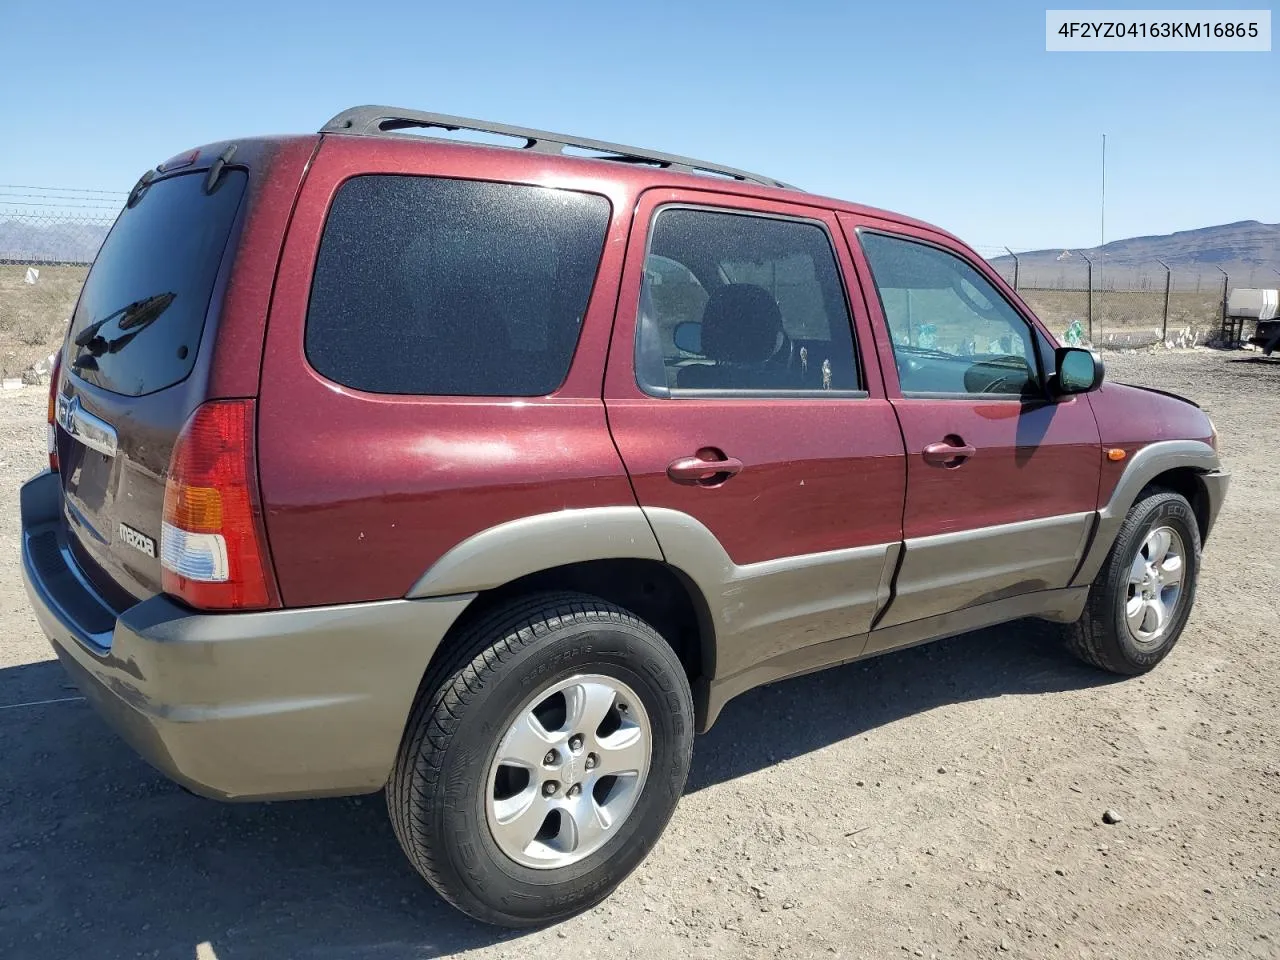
138	324
442	287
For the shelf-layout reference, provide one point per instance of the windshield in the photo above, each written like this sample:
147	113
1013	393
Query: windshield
138	325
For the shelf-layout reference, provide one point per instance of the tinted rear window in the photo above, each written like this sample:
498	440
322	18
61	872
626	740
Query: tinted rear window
138	325
452	287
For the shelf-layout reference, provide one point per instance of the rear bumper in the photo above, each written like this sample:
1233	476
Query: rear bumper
281	703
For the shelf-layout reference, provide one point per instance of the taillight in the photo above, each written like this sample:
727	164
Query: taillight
213	545
53	412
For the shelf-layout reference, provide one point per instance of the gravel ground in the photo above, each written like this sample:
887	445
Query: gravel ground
945	801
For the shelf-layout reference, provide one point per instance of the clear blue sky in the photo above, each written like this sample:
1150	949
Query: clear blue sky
949	111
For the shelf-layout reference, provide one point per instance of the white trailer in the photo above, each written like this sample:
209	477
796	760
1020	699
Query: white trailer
1253	303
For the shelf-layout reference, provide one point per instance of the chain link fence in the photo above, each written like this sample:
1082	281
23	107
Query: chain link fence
54	226
48	238
50	235
1132	304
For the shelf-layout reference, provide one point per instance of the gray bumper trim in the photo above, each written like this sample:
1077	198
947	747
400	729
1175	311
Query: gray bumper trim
263	705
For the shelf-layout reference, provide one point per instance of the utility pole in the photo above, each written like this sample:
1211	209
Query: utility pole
1102	227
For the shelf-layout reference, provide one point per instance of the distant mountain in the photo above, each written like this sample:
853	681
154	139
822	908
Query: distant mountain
68	240
1246	250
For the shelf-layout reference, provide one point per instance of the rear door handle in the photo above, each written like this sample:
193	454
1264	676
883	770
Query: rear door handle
944	453
702	470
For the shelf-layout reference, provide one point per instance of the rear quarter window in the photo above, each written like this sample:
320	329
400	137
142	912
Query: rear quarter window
138	324
430	286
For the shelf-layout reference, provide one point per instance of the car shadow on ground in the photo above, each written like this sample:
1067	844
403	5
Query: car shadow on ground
101	856
787	719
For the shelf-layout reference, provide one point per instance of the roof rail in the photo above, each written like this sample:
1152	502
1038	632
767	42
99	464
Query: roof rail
378	120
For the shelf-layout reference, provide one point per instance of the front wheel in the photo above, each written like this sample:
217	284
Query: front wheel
1142	596
543	759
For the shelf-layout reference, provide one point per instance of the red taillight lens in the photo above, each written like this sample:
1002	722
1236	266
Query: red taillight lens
213	545
53	411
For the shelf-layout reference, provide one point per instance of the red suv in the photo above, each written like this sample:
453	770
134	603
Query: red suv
487	476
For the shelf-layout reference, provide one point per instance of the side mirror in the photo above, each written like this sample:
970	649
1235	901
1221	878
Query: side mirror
688	336
1078	371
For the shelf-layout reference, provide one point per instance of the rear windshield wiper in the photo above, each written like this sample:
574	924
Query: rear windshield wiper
133	318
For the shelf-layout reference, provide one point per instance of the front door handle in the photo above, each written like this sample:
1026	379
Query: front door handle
709	468
951	452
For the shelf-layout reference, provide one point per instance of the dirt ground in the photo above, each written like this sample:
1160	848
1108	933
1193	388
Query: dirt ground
944	801
33	316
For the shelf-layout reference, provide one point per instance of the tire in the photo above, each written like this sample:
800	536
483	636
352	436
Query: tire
1103	635
441	791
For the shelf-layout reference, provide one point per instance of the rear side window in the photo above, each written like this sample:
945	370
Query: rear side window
138	324
739	303
430	286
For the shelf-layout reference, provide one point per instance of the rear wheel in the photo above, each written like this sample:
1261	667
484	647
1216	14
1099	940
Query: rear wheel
543	759
1142	596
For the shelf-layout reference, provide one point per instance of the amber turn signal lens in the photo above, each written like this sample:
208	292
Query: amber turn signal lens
1115	453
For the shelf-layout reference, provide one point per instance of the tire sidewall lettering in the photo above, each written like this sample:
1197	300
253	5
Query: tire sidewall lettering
545	653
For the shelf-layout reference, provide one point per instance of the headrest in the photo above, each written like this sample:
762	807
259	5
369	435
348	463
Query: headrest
741	323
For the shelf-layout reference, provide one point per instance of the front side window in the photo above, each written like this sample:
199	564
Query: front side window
428	286
952	331
738	302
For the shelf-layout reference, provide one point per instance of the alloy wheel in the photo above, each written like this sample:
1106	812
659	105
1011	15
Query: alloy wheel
1155	585
568	771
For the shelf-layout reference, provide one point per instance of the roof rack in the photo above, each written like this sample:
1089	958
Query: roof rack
378	120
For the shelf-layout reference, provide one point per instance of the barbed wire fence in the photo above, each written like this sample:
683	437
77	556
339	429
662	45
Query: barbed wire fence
48	238
1106	303
1130	303
55	226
